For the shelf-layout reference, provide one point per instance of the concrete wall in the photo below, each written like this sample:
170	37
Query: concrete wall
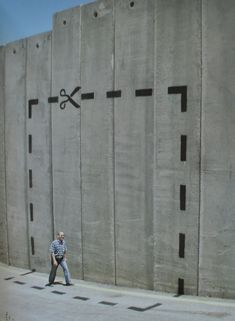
66	124
118	129
176	184
133	142
3	217
217	259
15	153
38	150
97	41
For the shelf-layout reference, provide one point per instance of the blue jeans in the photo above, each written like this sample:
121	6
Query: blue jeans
62	262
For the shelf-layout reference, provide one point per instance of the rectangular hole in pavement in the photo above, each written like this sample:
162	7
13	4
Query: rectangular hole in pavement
144	309
37	287
58	292
10	278
107	303
81	298
19	282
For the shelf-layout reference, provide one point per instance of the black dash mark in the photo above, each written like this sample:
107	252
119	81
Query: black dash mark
52	100
144	92
107	303
30	144
180	286
144	309
37	287
32	245
183	151
181	245
87	96
113	94
182	197
58	292
81	298
19	282
30	178
31	102
180	90
31	212
10	278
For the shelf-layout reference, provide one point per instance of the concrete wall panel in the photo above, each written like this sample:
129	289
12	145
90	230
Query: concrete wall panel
97	142
217	250
66	134
117	128
134	70
15	146
39	195
3	216
178	57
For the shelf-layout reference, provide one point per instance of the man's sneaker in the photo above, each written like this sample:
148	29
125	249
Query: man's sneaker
49	284
68	284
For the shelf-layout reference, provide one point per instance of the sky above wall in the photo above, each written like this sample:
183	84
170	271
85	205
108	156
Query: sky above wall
23	18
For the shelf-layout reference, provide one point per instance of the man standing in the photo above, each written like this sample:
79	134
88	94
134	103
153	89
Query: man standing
58	251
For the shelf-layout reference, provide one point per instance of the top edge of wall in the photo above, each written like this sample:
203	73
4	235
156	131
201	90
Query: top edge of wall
74	8
18	41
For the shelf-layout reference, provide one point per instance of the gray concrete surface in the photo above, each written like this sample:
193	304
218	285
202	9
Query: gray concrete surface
3	217
178	63
133	143
137	167
97	37
24	297
217	259
38	155
66	133
15	154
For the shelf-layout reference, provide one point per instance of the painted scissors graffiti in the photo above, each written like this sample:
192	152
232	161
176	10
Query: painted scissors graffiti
69	98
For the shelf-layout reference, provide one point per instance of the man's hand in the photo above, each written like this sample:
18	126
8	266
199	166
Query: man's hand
55	263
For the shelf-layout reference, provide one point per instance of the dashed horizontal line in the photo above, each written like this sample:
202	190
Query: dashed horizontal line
113	94
58	292
19	282
107	303
81	298
144	309
144	92
52	100
33	102
87	96
37	287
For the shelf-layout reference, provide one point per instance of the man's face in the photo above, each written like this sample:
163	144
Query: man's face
61	236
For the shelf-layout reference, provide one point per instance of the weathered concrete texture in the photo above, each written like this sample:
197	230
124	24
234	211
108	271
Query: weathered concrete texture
178	58
97	142
66	134
3	217
128	147
39	195
15	147
217	250
133	142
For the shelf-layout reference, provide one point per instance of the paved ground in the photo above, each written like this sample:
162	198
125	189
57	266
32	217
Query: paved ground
24	297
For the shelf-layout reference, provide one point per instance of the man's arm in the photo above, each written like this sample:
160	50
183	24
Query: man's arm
53	254
53	259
